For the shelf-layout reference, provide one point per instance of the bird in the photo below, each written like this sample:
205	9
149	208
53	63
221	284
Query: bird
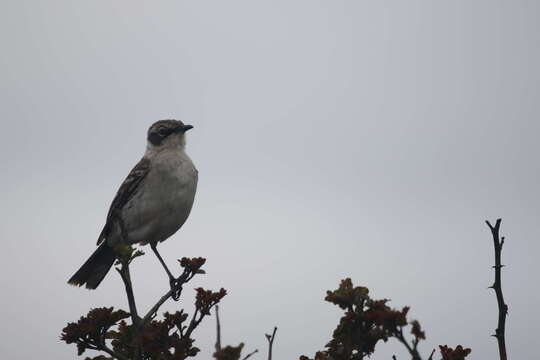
152	204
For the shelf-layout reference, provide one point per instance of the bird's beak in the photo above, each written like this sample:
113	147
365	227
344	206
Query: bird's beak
185	128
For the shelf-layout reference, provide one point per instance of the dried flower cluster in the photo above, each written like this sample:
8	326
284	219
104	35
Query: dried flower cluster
91	330
170	338
229	352
366	322
193	264
207	299
459	353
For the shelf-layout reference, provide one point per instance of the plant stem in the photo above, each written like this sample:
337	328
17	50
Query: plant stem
126	278
498	243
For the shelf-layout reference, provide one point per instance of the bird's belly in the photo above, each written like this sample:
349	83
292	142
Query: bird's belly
162	208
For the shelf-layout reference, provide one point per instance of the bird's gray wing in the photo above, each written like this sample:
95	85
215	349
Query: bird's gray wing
125	193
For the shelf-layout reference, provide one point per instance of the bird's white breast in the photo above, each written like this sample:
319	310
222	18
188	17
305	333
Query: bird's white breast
163	203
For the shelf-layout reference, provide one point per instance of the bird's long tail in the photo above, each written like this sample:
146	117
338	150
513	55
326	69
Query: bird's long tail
93	271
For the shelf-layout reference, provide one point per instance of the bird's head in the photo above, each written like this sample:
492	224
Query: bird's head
167	134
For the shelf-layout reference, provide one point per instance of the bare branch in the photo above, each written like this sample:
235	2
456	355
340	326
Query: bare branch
195	321
498	243
270	339
250	354
136	320
218	330
126	278
182	279
413	351
152	312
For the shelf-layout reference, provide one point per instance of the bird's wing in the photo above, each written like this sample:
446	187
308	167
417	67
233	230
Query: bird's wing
125	193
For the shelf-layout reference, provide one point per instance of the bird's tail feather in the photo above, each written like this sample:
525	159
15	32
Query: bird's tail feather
93	271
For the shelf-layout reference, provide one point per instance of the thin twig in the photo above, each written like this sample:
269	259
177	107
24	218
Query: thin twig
218	330
182	279
270	339
249	355
126	278
194	322
136	320
431	356
149	316
412	350
498	243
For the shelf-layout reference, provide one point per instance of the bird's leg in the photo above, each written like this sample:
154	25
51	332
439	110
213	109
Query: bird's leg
172	280
154	249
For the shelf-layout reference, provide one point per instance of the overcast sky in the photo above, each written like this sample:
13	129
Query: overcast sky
362	139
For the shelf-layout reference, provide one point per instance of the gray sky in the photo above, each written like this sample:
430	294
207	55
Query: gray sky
368	139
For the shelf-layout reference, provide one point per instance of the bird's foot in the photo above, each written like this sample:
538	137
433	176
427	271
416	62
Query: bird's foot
176	288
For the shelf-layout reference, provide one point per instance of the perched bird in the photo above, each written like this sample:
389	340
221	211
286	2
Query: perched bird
152	203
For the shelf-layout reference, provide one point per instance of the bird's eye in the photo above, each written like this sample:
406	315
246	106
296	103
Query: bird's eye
162	131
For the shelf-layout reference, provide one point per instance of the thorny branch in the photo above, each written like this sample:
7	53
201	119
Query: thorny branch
498	243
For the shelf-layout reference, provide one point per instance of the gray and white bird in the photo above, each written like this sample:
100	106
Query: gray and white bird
152	203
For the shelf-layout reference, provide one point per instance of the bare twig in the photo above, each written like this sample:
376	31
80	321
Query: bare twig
218	330
152	312
126	278
218	336
394	357
270	339
195	321
498	243
182	279
411	349
250	354
431	356
136	320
